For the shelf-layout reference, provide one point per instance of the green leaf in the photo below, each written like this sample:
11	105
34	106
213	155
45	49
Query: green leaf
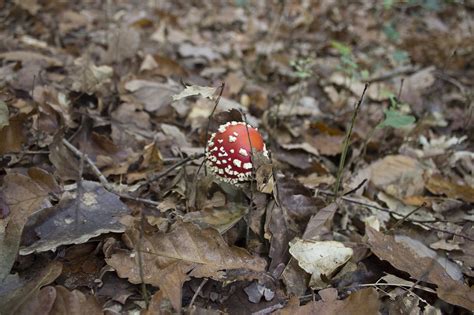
3	115
396	119
343	49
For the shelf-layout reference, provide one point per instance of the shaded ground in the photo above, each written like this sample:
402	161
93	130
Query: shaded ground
105	205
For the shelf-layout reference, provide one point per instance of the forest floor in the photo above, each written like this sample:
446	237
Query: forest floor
364	206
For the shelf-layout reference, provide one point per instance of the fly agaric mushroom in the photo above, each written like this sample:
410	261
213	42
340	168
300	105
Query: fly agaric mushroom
229	151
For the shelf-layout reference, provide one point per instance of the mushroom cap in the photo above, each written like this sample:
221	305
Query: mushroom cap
229	154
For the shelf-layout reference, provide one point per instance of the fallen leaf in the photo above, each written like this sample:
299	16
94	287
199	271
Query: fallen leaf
148	63
74	220
74	301
193	90
189	50
123	43
362	302
29	56
319	258
4	115
438	185
13	135
89	78
23	196
327	144
167	258
398	175
221	219
427	269
17	292
320	223
153	95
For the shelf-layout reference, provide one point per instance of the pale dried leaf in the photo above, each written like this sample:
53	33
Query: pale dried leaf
319	258
194	90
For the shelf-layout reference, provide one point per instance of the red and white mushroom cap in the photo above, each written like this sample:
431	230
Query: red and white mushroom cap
229	154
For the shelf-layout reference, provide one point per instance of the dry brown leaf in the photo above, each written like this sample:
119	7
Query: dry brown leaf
153	95
13	136
74	220
402	256
74	302
29	56
23	196
362	302
398	175
123	43
221	219
20	294
327	144
438	185
186	250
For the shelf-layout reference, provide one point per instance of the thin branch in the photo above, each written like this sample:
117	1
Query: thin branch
203	282
406	217
346	143
392	213
175	166
103	180
209	121
393	73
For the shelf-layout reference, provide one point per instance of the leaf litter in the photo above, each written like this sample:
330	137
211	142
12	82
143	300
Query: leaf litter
104	113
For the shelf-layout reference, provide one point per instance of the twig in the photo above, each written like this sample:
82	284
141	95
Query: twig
216	103
393	73
140	260
406	217
91	164
203	282
175	166
147	201
392	213
346	143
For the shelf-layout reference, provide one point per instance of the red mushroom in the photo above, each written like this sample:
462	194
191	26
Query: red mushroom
229	154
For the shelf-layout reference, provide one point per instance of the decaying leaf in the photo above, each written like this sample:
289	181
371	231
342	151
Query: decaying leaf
427	269
152	95
88	212
168	258
397	175
221	219
23	196
319	258
90	78
193	90
4	114
16	292
362	302
439	185
12	135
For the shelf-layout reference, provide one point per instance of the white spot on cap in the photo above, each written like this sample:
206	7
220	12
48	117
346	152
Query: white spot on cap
235	133
232	138
221	171
248	166
243	152
222	128
237	162
231	150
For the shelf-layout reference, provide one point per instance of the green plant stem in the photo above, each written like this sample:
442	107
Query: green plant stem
345	145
